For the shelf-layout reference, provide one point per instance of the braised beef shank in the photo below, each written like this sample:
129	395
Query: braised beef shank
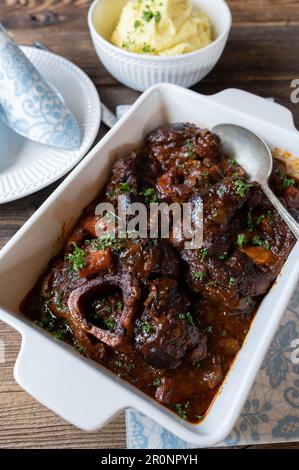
167	318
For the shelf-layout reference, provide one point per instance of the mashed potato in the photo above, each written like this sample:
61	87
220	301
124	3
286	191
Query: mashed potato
162	27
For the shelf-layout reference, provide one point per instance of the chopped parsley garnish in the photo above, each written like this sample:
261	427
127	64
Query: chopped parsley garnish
59	334
203	253
110	194
148	192
109	323
76	258
198	275
157	17
59	328
157	383
250	221
147	327
259	219
288	182
108	241
232	282
186	316
241	240
146	48
189	318
189	144
154	241
180	411
137	24
129	44
149	195
80	349
46	321
124	187
241	188
147	15
59	301
233	162
120	305
118	363
258	241
253	222
224	256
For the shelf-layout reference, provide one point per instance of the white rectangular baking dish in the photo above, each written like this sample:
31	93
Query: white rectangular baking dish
77	389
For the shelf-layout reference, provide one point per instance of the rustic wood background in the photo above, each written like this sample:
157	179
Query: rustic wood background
261	57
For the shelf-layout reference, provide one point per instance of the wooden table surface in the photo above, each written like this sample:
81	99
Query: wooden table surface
261	57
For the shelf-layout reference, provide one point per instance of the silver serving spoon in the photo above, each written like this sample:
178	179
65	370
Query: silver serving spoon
253	154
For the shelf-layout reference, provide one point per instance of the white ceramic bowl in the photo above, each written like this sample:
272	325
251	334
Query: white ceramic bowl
79	390
140	71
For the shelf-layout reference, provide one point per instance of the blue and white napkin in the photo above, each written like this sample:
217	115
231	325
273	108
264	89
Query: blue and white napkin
29	104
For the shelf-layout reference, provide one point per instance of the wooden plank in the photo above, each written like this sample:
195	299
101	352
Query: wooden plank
68	14
266	56
24	423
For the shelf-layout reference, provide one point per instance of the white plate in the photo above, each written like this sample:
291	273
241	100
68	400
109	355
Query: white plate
26	166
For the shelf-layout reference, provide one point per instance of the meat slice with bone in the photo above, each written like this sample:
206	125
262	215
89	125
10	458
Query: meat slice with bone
165	331
121	335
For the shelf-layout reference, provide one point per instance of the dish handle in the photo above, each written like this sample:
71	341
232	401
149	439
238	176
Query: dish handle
69	385
256	106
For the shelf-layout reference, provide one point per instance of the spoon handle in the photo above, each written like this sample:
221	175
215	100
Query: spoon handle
283	212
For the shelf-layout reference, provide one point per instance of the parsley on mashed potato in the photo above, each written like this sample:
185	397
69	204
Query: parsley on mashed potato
162	27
